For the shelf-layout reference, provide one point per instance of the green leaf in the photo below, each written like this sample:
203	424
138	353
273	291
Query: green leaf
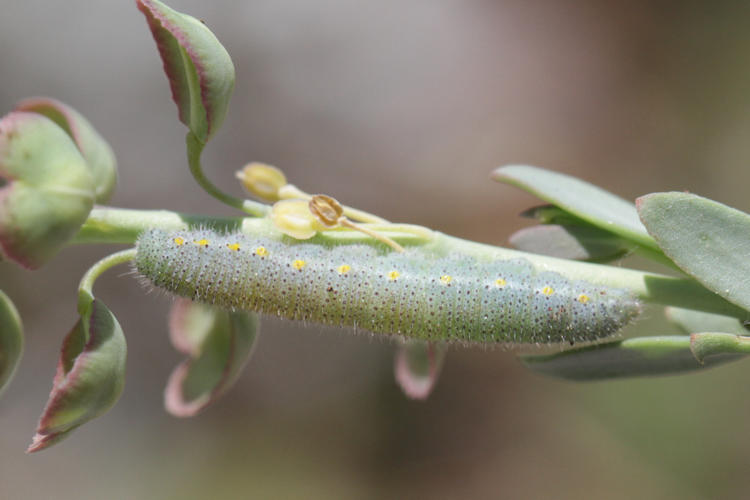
219	343
585	243
46	188
199	69
636	357
706	239
581	199
90	376
97	153
691	321
417	367
11	340
550	214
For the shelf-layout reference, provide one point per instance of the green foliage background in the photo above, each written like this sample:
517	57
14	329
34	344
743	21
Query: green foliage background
402	109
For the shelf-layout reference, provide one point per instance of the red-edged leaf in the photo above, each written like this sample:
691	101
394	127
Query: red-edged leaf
90	376
199	69
218	343
97	153
46	188
418	366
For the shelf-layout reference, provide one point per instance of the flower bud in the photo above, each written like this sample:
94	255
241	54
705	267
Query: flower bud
261	180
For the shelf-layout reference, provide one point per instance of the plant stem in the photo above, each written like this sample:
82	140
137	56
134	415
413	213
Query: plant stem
116	225
123	225
194	150
85	293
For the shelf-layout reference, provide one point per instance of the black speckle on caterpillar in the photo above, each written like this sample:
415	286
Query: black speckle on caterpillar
413	294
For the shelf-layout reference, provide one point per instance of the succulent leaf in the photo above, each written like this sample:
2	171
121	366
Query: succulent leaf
47	189
90	376
218	343
199	69
97	152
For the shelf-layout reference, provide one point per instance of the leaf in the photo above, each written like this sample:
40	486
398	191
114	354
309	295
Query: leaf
219	343
46	188
690	321
95	150
417	367
11	340
636	357
706	239
90	376
550	214
581	199
199	69
586	243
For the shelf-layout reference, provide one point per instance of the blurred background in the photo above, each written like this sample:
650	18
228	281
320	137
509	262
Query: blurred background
402	109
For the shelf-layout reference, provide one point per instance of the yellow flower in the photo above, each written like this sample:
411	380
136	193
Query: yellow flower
293	218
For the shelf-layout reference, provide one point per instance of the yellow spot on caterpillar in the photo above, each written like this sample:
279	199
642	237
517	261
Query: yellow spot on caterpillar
234	246
445	279
179	241
261	251
500	283
547	290
299	264
344	269
393	275
583	298
201	243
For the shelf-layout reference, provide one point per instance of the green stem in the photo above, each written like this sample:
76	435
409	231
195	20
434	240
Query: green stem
194	150
85	293
641	356
123	225
114	225
704	345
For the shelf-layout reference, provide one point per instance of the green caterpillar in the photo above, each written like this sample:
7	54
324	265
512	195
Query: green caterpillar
412	294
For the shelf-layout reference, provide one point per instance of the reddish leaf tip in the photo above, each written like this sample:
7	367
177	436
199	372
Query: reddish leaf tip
174	402
43	441
415	384
418	388
640	200
178	329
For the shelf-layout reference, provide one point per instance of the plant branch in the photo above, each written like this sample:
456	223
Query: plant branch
194	150
116	225
85	288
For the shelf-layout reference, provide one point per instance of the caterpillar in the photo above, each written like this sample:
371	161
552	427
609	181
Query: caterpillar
412	294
